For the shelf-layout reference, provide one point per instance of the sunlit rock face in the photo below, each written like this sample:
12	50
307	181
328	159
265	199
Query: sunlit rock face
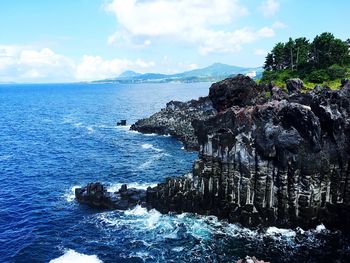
268	160
175	120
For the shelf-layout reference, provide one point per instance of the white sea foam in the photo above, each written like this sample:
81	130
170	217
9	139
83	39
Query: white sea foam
90	129
151	160
150	218
70	194
320	228
275	231
5	157
137	211
150	134
153	225
150	147
78	124
177	249
146	146
71	256
125	127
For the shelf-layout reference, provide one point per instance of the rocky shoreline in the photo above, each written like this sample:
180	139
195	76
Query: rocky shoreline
266	156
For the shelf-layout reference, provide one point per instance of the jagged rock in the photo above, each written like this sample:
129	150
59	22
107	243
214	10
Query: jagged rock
294	85
95	195
176	119
237	91
278	94
121	123
283	162
263	160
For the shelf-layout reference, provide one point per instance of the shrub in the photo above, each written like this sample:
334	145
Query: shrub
318	76
335	71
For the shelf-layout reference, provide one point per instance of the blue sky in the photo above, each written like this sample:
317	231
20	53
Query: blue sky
65	40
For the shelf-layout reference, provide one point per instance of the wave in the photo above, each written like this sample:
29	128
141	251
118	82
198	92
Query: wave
150	134
204	227
151	160
70	194
90	129
151	147
72	256
125	127
5	157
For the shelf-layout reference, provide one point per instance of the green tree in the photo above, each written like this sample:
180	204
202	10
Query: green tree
278	56
269	64
326	50
289	54
302	47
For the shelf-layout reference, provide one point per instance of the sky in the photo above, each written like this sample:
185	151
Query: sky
45	41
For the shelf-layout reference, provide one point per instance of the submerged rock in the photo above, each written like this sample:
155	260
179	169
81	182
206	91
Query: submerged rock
121	123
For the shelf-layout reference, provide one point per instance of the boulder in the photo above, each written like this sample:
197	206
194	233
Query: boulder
294	85
237	91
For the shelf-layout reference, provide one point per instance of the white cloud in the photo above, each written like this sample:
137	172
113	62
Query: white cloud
95	67
269	7
208	24
30	64
279	25
260	52
167	17
26	64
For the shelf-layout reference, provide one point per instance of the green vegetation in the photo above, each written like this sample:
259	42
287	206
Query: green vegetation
326	60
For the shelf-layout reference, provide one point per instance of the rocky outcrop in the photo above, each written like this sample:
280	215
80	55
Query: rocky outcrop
283	162
294	85
96	195
265	157
175	120
238	91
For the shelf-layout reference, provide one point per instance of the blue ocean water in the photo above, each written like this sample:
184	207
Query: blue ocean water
54	138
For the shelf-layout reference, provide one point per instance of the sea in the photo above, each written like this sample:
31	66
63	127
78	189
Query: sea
57	137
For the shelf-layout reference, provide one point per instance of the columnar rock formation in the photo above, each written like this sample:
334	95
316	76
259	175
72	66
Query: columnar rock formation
265	157
272	159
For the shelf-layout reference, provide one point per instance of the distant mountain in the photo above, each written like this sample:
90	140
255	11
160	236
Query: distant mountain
129	74
215	72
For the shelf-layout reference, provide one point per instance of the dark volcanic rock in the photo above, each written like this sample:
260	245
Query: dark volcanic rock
237	91
95	195
176	119
294	85
264	159
283	162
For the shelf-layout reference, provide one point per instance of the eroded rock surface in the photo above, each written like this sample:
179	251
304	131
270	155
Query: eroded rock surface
265	157
284	162
176	119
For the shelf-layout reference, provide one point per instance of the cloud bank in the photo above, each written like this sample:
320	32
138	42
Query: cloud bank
30	64
208	24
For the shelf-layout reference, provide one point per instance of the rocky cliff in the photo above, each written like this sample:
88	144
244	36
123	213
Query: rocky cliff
266	157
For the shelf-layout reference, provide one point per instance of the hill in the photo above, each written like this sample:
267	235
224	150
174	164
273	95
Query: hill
213	73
